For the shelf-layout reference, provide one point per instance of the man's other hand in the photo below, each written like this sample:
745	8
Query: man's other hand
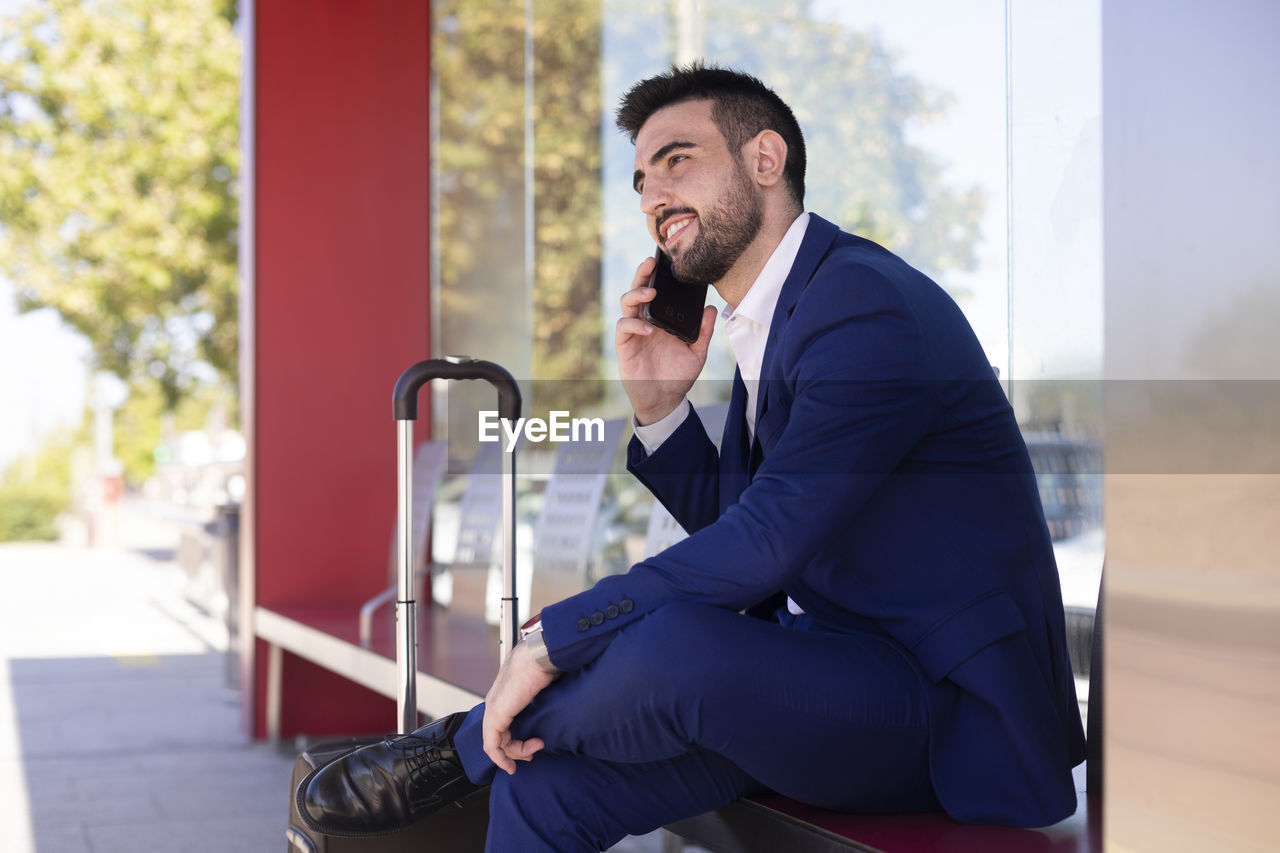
657	369
519	680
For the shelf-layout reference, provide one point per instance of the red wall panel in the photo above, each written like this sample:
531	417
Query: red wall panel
341	294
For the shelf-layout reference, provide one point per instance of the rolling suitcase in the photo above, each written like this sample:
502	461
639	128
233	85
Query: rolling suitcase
452	829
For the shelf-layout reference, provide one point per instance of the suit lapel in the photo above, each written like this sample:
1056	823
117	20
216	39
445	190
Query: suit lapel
818	238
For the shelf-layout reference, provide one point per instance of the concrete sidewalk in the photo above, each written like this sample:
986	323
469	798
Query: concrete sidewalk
118	730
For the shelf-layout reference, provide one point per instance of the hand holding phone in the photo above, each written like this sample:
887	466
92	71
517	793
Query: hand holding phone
677	305
657	368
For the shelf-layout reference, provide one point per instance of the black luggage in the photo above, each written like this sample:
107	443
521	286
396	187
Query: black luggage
459	828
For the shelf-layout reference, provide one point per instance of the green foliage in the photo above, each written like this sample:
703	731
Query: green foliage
567	327
857	109
137	432
118	160
478	60
36	489
29	512
139	427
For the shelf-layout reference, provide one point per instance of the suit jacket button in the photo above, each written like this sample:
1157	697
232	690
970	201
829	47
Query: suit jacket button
626	605
597	618
611	611
583	624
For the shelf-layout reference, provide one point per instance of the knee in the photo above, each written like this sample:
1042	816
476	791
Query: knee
536	808
513	797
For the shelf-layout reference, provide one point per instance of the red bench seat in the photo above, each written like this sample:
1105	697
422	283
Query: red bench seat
772	823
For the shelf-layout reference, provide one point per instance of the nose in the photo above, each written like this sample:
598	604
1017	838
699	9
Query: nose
654	197
653	200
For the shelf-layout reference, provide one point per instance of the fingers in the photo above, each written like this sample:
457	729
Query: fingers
494	743
504	751
628	327
633	301
523	750
704	332
639	293
494	736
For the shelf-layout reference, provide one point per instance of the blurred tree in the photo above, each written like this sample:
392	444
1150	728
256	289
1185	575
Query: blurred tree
118	162
857	109
36	488
855	104
478	60
568	327
143	426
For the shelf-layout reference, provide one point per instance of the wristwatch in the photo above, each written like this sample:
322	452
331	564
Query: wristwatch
531	634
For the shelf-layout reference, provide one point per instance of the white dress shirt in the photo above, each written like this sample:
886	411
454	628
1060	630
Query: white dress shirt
747	326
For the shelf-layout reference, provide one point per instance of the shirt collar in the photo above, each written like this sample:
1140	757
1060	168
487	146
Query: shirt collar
762	297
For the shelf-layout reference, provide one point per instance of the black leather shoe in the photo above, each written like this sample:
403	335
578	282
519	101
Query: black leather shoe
385	787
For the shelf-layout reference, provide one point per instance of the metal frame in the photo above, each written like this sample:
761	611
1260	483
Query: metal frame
405	399
406	605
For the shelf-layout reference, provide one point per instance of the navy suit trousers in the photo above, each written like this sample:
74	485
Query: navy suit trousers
695	706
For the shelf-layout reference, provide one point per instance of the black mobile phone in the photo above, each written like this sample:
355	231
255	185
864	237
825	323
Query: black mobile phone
677	306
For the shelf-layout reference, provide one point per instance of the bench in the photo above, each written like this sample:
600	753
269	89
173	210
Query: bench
770	823
342	639
456	643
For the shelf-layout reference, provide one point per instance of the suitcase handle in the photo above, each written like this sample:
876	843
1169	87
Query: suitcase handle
407	386
405	399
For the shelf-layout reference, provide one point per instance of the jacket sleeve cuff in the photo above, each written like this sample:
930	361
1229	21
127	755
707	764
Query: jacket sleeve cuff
578	629
652	436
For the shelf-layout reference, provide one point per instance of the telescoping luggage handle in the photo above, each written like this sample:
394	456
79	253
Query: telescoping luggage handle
406	412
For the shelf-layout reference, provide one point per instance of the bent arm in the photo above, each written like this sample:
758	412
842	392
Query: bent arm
861	401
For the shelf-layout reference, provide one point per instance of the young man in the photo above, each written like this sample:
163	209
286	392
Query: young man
872	500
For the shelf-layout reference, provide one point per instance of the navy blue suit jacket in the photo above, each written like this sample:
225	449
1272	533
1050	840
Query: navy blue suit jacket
887	489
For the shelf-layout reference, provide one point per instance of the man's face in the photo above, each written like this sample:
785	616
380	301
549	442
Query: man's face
701	205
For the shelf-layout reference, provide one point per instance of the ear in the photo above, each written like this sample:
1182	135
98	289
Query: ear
768	156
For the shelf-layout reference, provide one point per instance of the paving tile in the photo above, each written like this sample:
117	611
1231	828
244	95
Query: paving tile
186	836
63	838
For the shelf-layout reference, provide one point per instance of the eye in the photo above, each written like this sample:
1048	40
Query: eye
676	158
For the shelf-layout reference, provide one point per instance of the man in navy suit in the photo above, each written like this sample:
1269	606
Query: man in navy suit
872	500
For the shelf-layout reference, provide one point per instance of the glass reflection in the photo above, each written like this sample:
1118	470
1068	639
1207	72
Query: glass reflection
962	139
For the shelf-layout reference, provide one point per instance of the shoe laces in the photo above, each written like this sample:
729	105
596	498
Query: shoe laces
422	757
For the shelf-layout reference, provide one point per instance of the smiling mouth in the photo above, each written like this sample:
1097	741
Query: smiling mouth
670	231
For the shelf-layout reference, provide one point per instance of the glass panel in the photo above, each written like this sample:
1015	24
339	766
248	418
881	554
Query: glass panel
905	145
1056	287
905	107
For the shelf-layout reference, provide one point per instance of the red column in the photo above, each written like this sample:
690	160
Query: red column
340	307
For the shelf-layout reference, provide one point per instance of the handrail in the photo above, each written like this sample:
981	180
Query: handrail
371	607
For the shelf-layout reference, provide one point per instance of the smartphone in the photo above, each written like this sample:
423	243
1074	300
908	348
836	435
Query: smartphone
677	306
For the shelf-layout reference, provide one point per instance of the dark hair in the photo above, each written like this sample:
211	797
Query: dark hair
741	107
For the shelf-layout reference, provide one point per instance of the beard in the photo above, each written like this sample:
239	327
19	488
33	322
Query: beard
724	233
